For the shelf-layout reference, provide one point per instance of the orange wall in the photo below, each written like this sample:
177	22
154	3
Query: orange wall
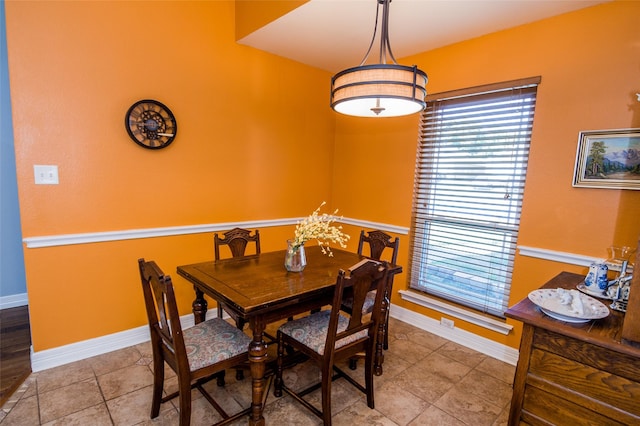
254	136
589	62
249	147
254	14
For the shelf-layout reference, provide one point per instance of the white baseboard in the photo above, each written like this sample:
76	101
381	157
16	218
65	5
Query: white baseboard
55	357
478	343
14	301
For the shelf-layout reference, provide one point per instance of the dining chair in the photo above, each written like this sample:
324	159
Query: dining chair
377	241
330	335
237	240
195	354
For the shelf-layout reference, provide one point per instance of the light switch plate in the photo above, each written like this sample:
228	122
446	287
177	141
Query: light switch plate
46	175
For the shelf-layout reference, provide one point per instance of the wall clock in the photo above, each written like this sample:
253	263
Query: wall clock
151	124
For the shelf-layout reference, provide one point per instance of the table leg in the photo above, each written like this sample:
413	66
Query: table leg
199	306
257	360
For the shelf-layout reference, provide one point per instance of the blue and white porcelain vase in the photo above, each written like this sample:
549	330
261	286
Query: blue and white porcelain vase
597	277
295	259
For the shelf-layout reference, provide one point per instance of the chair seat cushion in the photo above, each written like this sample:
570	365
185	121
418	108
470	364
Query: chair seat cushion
213	341
311	331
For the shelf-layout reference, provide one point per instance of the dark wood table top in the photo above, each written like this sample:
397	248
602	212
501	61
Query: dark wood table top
605	332
253	285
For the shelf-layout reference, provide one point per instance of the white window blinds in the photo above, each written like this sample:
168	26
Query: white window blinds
470	174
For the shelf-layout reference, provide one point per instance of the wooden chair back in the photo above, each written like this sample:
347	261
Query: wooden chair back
363	277
378	241
346	335
162	312
237	239
214	346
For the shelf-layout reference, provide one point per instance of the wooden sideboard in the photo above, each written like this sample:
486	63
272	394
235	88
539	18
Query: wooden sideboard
574	374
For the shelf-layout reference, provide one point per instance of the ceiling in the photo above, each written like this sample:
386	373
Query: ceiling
335	34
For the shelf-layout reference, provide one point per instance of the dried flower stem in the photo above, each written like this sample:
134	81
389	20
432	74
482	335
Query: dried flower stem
318	226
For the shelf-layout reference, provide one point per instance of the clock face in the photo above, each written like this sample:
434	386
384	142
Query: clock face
151	124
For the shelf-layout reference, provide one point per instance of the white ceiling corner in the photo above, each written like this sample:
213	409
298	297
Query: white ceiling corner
335	34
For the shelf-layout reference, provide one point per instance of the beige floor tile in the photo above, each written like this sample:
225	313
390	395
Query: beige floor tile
343	395
165	418
145	350
433	416
239	389
498	369
23	413
360	414
64	375
489	388
425	385
111	361
468	408
398	404
124	380
426	339
171	385
63	401
98	415
399	327
461	354
134	407
443	366
29	387
202	413
301	376
358	373
226	399
427	380
406	349
286	411
432	377
503	418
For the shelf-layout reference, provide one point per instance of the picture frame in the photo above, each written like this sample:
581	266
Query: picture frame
608	159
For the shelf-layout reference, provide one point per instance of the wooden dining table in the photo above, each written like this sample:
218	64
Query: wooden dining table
259	290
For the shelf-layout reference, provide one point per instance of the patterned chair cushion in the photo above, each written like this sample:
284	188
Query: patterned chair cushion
212	341
367	306
311	331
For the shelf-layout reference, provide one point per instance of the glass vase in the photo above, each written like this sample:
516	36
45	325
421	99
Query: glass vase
295	259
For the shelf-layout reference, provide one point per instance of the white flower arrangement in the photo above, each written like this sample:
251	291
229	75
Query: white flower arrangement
318	226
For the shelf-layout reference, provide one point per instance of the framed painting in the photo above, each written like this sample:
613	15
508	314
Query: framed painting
608	159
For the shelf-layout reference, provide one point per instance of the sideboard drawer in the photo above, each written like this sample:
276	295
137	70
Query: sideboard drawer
593	389
541	407
617	363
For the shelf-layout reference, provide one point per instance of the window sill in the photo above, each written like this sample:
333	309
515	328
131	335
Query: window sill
454	311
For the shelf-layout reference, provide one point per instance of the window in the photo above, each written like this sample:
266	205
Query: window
470	174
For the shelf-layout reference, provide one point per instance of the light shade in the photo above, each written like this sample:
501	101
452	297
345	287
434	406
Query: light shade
380	90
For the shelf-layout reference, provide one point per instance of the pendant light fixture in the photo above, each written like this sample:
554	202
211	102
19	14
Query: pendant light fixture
379	90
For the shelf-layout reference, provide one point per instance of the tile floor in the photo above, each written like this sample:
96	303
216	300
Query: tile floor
427	380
